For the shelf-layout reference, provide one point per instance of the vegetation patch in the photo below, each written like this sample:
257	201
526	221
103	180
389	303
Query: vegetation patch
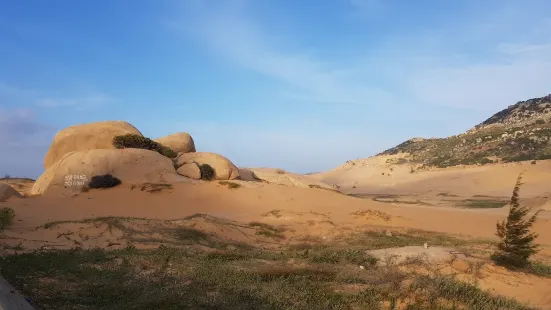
167	278
268	230
539	269
103	181
6	217
141	142
374	240
446	194
483	203
207	172
230	185
151	187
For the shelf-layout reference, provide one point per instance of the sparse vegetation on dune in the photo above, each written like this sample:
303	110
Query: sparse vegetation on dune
483	203
230	185
318	277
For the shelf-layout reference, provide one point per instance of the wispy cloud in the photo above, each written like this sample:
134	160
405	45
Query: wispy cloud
241	41
478	67
24	141
40	99
83	103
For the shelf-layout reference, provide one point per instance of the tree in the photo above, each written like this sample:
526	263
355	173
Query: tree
517	242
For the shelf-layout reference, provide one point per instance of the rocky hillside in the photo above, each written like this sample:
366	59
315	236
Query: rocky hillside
520	132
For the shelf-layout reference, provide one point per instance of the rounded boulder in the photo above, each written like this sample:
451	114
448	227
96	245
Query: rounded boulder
190	170
76	169
224	169
97	135
180	142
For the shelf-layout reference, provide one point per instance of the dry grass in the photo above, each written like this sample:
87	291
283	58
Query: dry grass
168	278
205	271
230	185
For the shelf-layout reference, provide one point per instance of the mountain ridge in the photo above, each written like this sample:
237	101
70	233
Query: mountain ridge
520	132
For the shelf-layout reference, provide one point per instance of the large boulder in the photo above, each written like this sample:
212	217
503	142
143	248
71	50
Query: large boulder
190	170
75	169
180	142
223	167
97	135
248	175
7	191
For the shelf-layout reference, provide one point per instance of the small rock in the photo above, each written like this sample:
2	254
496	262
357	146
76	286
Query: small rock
388	233
362	267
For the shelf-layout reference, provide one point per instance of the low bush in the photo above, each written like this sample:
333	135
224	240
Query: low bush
140	142
103	181
6	217
207	172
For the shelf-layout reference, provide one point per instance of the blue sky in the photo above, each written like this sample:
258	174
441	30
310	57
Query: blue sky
300	85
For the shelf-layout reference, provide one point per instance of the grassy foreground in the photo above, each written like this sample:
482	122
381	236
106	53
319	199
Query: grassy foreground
233	276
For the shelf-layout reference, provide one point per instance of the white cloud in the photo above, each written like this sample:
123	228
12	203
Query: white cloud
243	42
474	68
41	99
483	87
82	103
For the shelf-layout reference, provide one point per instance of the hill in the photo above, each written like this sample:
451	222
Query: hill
518	133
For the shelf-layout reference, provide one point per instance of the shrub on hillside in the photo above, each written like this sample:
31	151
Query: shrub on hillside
103	181
140	142
207	172
517	242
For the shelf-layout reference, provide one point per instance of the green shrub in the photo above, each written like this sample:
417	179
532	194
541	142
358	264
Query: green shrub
517	242
140	142
103	181
543	156
6	217
207	172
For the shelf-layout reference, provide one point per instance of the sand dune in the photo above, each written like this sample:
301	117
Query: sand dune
375	175
148	215
55	220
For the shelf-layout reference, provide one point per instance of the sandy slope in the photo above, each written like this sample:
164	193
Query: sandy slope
375	175
23	186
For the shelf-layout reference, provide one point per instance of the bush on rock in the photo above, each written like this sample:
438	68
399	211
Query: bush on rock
207	172
140	142
103	181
